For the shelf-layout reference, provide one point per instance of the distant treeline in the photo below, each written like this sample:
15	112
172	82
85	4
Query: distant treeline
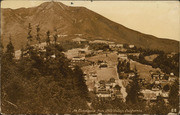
166	64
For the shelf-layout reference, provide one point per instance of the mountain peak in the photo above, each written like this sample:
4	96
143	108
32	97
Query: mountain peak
49	5
73	20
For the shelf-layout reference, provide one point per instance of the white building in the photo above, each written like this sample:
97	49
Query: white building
150	95
77	59
99	41
112	45
131	46
120	45
122	56
17	54
79	40
103	94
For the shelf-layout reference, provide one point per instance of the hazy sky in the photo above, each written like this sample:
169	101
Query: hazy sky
159	18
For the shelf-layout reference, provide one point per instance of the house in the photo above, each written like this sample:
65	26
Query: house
117	88
122	50
101	88
62	35
115	46
157	82
103	94
130	75
102	83
17	54
77	52
133	54
118	94
99	51
53	56
156	75
165	94
171	55
172	78
40	46
99	41
150	95
117	91
93	76
112	46
110	42
71	66
110	84
77	59
112	81
122	56
103	65
78	34
82	52
108	89
119	45
131	46
156	87
79	40
172	74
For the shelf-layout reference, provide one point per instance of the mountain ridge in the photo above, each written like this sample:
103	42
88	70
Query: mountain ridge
72	20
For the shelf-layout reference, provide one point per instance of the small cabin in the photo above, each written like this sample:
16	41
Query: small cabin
79	40
103	65
131	46
77	59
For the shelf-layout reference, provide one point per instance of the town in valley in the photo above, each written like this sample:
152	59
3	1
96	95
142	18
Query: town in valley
60	59
109	68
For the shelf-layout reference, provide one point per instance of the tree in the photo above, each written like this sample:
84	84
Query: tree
80	82
37	35
166	88
1	45
166	77
160	107
37	84
128	66
22	51
29	34
10	51
134	90
48	37
55	37
126	46
173	95
117	87
1	48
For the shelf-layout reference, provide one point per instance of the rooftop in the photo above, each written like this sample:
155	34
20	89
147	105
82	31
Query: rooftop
79	39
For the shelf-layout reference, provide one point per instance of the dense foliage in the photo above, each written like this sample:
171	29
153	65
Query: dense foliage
174	96
123	66
68	45
166	64
99	46
41	83
133	91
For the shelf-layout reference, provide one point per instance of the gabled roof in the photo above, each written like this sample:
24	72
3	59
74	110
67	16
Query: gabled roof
79	39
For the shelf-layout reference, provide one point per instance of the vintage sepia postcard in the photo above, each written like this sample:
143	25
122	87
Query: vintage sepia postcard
89	57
